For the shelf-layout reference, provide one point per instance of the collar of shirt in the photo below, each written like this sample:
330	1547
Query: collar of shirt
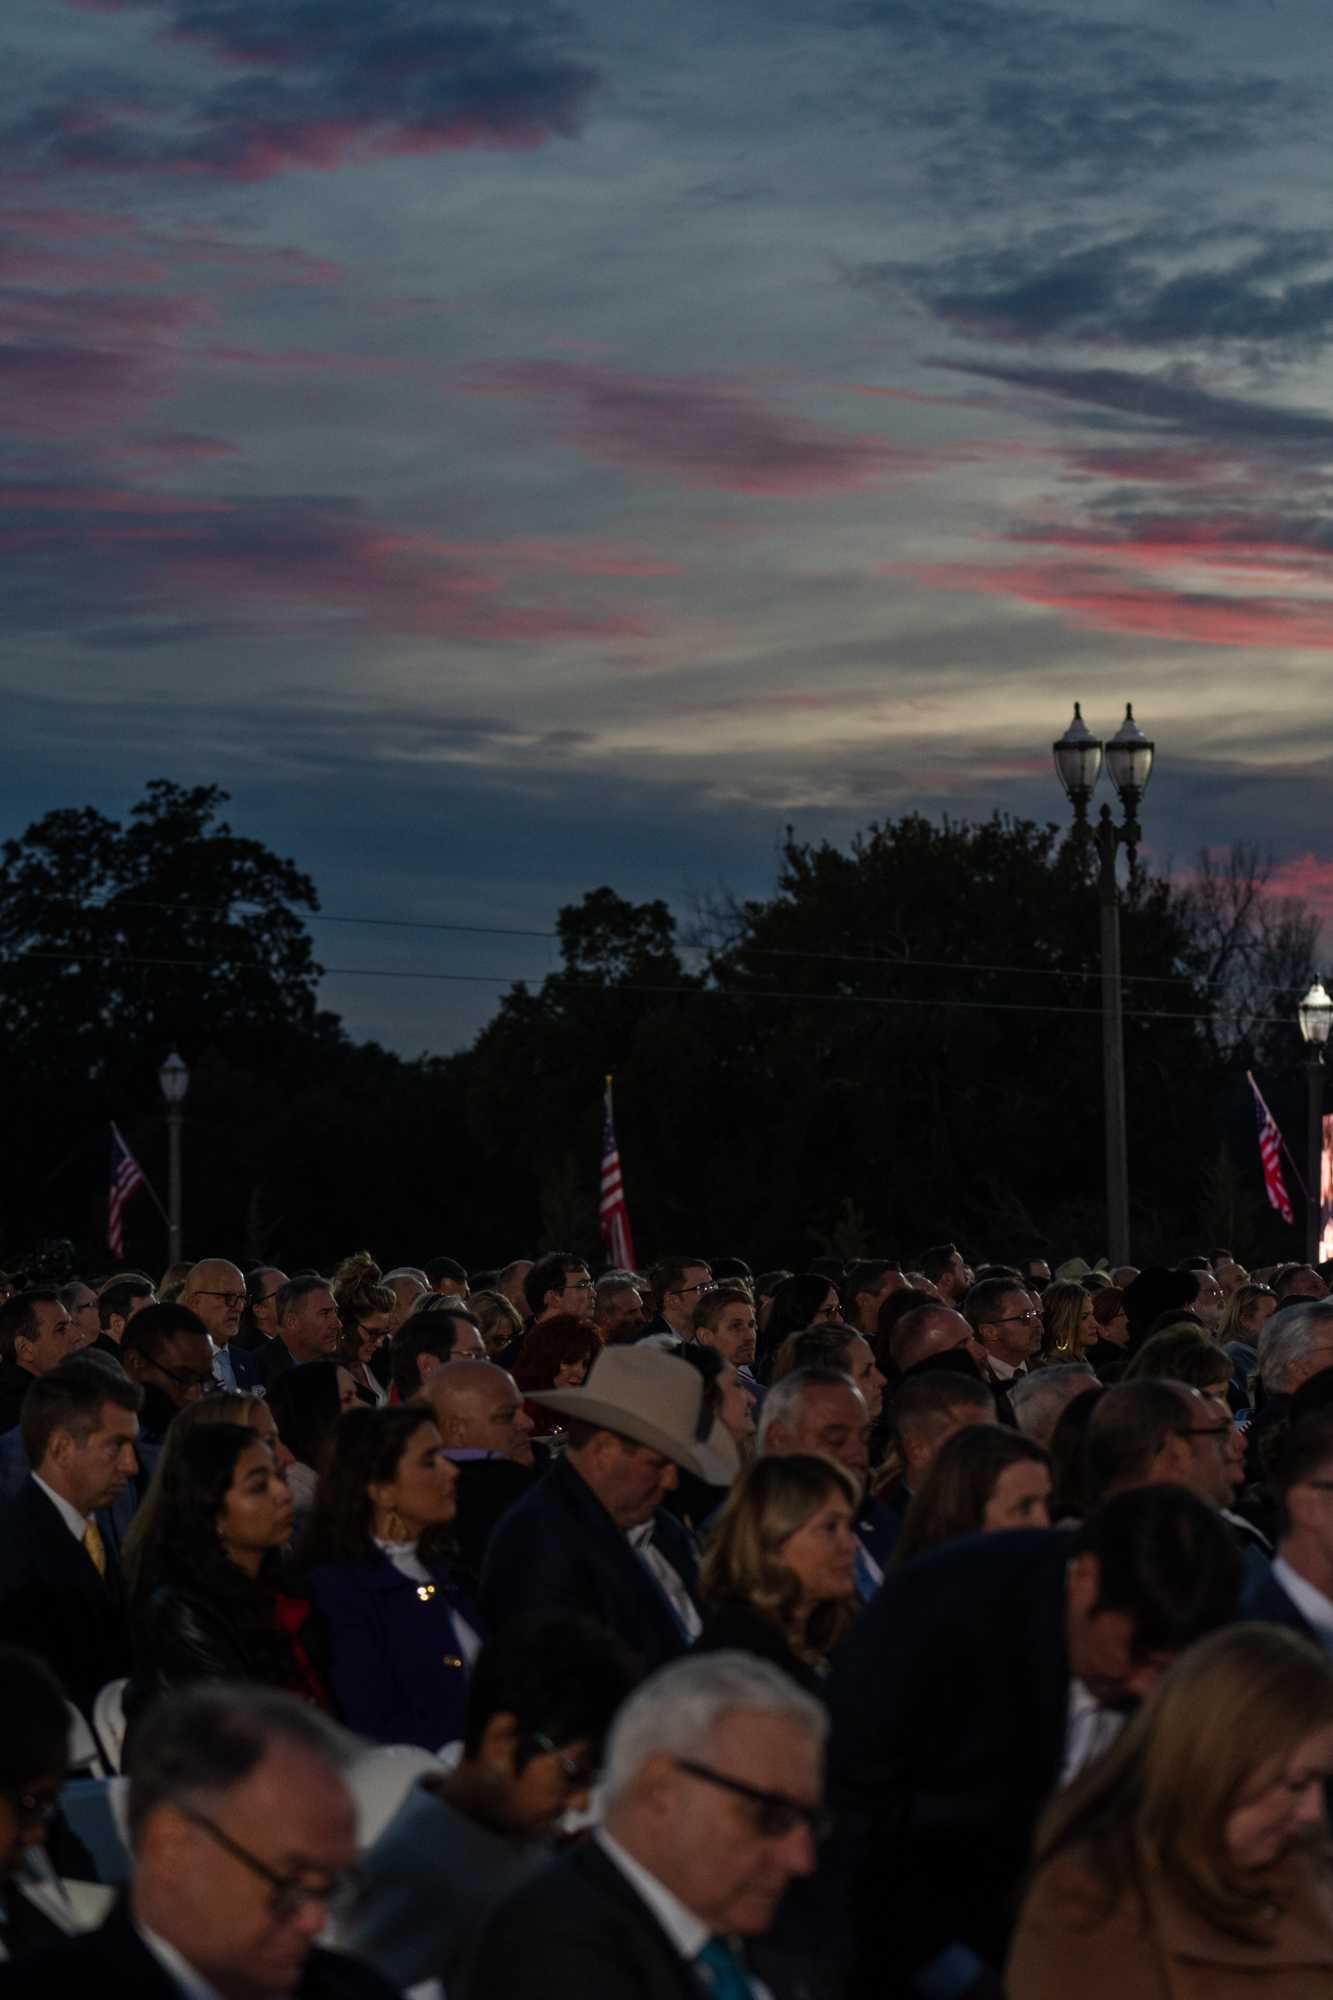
178	1969
683	1928
1005	1371
1089	1729
667	1578
1312	1604
76	1522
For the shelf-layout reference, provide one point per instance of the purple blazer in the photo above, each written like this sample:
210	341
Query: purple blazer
394	1663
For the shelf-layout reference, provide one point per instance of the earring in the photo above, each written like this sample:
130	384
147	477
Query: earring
395	1528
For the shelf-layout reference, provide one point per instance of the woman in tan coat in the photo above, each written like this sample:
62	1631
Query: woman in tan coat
1192	1861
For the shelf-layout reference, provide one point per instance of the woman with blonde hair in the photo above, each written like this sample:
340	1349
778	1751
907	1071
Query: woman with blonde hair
779	1577
1069	1324
1191	1861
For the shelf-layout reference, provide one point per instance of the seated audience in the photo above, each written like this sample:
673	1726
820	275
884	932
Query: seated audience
821	1411
978	1679
724	1319
1007	1323
167	1352
925	1410
118	1300
498	1322
712	1801
487	1436
34	1754
309	1329
729	1400
429	1338
798	1302
539	1704
556	1354
243	1406
1297	1590
869	1281
1192	1859
779	1576
306	1403
1108	1353
982	1479
36	1334
399	1625
61	1592
243	1835
593	1535
365	1308
208	1605
1070	1328
840	1347
259	1320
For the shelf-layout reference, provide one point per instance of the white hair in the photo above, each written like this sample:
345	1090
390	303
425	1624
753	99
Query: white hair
1037	1399
782	1403
1289	1336
678	1708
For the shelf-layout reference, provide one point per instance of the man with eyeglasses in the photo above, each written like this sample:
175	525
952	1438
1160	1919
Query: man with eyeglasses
215	1290
678	1284
558	1283
259	1321
712	1805
1007	1324
540	1701
167	1352
242	1831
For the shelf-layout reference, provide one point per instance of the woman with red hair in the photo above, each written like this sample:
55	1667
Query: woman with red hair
556	1354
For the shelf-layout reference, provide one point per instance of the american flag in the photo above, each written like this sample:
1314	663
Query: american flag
126	1176
614	1214
1270	1155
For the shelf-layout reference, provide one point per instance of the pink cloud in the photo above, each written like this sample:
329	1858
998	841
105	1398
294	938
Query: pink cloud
1308	877
701	430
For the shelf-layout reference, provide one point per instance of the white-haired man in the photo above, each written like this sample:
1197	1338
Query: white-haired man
713	1796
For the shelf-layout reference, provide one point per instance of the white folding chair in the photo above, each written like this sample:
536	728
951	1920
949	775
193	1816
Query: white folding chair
380	1778
85	1759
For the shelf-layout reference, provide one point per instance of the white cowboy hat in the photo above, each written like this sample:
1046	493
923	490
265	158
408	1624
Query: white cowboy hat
651	1398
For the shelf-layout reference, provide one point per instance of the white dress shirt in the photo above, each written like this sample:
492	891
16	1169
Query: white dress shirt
668	1580
1314	1607
1005	1371
1089	1729
684	1929
76	1522
193	1985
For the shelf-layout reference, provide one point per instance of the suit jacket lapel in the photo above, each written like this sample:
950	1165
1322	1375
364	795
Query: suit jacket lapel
601	1872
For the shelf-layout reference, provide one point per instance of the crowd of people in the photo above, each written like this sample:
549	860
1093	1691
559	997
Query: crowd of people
891	1632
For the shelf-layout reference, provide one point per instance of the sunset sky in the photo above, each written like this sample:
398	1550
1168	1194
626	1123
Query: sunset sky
515	448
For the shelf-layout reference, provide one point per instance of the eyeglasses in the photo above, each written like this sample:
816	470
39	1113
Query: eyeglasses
185	1378
1207	1430
579	1285
684	1291
33	1809
776	1815
578	1775
1020	1319
228	1298
290	1892
263	1298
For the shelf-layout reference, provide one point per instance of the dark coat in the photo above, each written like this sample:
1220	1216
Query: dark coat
184	1634
949	1707
53	1601
488	1486
1263	1599
394	1662
15	1383
265	1364
578	1931
741	1628
115	1964
559	1550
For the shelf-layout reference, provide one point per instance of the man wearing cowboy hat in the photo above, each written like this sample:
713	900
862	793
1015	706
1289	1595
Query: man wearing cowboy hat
593	1536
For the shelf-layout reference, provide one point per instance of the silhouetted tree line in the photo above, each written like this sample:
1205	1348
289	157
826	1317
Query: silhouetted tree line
900	1043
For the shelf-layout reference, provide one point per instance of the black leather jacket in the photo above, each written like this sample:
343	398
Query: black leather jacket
182	1635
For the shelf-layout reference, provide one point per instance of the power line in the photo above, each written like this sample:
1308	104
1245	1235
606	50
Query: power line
679	992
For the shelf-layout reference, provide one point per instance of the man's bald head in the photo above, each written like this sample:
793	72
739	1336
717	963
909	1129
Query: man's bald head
215	1289
927	1331
478	1407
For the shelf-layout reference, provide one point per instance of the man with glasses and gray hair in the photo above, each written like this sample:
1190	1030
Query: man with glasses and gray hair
1008	1325
243	1834
712	1804
215	1290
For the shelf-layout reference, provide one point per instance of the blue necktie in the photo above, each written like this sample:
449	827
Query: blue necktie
722	1973
866	1583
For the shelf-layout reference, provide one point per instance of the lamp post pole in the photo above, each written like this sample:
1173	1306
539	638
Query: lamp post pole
1315	1015
175	1081
1078	760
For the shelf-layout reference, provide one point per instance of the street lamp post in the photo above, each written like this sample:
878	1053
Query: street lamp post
1315	1015
1078	761
175	1081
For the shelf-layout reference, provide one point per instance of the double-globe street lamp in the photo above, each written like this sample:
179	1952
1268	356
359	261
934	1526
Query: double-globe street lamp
1128	757
1315	1015
175	1081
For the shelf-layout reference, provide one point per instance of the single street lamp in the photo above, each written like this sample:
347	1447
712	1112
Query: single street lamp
1128	756
175	1081
1315	1015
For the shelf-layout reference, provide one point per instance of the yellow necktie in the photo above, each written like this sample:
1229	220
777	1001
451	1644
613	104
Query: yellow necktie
95	1547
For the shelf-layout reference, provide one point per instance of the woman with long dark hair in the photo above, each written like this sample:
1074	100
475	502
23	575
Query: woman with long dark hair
209	1603
400	1625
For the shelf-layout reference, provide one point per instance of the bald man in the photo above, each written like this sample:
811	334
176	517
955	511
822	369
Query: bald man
927	1331
488	1435
215	1290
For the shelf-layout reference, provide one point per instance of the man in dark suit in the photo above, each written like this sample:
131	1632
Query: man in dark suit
820	1410
36	1334
308	1330
488	1437
243	1833
215	1291
592	1536
981	1675
712	1799
60	1591
1296	1589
